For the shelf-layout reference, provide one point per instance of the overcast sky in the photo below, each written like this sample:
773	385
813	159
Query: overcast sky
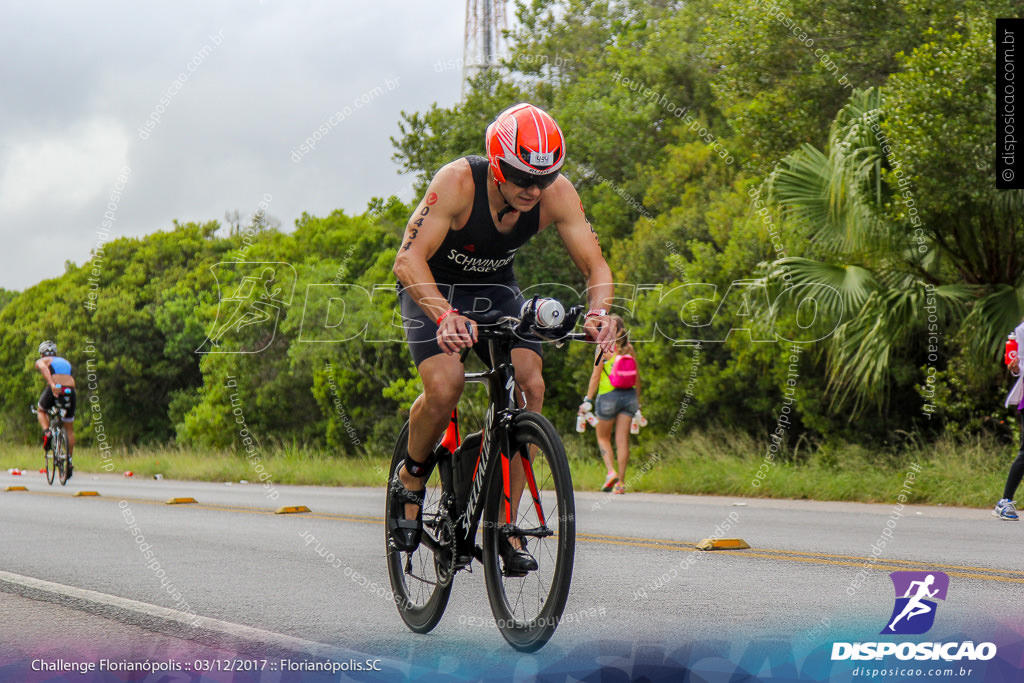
204	107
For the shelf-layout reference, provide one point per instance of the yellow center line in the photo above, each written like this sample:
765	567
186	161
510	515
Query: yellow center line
813	558
889	565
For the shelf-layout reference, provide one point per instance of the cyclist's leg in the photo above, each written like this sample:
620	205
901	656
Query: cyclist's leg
43	405
69	429
443	379
69	419
529	377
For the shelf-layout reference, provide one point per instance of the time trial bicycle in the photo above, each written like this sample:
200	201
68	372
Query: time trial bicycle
470	490
58	461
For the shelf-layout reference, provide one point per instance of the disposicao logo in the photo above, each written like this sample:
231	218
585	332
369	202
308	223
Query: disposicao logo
914	614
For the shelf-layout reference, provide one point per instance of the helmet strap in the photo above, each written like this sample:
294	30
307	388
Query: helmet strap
508	207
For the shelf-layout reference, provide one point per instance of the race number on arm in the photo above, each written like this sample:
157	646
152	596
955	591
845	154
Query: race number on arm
449	197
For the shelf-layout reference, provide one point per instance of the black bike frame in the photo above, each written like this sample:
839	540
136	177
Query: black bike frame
495	447
502	409
57	419
501	413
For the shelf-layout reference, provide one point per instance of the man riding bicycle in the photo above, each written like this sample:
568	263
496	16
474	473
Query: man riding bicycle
57	373
457	255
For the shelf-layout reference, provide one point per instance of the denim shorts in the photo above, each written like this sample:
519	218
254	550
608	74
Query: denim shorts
616	401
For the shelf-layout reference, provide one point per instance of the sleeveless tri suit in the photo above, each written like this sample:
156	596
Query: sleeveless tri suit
473	269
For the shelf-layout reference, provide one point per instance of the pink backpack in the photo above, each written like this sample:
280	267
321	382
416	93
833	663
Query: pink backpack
623	374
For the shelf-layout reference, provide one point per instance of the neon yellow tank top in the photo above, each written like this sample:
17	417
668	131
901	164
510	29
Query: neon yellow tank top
606	383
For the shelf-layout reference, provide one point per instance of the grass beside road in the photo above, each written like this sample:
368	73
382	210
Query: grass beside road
963	473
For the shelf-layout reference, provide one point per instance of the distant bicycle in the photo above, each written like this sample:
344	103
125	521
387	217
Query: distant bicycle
472	481
57	459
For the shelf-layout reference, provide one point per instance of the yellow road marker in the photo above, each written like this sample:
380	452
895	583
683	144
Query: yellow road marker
722	544
86	493
291	509
17	488
181	501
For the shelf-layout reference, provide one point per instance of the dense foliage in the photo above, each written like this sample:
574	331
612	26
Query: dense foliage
785	196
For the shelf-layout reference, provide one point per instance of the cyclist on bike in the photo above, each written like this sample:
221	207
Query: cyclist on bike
57	373
456	256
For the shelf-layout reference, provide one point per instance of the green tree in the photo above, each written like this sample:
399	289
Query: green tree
903	223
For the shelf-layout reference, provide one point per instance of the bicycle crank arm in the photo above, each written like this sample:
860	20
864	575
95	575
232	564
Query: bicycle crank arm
433	544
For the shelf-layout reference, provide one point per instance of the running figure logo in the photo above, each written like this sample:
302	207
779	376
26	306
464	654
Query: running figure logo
914	612
252	296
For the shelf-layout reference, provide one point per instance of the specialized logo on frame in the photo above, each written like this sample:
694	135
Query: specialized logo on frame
916	596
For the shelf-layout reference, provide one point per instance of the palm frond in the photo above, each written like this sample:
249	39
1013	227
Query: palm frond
841	287
862	348
993	316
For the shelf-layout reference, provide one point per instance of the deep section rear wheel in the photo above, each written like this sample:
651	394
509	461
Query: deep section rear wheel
421	581
527	609
60	455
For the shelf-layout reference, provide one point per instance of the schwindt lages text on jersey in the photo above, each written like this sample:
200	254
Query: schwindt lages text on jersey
472	264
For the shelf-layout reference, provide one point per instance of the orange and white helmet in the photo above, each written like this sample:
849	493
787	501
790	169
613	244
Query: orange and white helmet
525	146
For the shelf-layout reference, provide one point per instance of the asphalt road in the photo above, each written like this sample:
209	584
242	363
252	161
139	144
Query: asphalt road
236	580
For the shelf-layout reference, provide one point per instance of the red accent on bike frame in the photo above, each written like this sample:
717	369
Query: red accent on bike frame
532	483
506	481
479	455
451	438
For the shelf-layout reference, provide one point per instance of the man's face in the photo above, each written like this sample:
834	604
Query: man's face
522	198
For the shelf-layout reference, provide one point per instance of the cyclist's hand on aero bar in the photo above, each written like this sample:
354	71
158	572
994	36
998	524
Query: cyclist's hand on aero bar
601	330
456	332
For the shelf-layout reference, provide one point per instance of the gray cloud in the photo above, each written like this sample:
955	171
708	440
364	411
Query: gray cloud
229	90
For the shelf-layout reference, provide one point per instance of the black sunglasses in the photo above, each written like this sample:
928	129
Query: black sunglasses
526	180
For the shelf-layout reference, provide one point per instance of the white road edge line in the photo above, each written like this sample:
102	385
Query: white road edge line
212	632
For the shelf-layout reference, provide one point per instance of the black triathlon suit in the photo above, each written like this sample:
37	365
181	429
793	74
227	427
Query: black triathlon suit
473	271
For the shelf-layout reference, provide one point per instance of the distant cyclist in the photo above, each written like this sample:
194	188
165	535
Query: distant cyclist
456	256
57	373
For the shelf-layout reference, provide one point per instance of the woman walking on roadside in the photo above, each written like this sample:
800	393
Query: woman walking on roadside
1005	508
616	384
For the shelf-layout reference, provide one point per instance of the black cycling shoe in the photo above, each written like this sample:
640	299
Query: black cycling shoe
405	533
518	563
70	468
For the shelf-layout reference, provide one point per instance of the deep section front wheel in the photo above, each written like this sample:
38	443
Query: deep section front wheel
421	580
527	609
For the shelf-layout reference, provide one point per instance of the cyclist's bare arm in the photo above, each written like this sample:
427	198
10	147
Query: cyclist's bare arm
565	210
449	197
44	369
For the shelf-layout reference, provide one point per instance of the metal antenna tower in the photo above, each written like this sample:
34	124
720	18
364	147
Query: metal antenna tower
484	44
